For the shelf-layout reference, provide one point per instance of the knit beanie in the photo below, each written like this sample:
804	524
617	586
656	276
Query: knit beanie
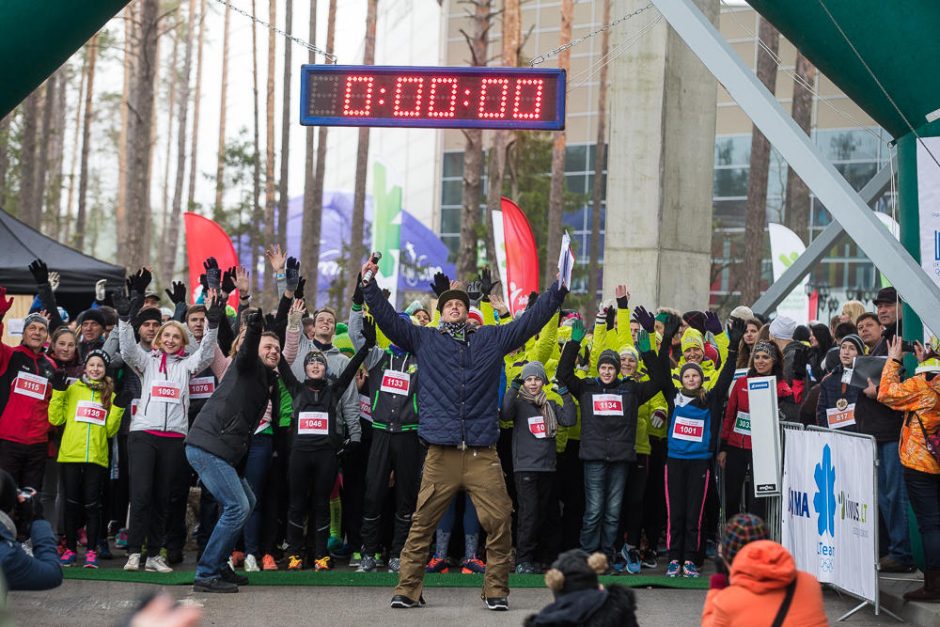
104	356
148	313
314	356
35	318
475	314
855	340
94	315
742	312
740	530
630	351
574	571
692	338
782	328
534	369
693	366
608	356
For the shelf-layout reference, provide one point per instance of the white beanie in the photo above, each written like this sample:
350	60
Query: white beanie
782	328
742	312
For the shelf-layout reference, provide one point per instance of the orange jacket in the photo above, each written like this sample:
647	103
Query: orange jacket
760	574
914	396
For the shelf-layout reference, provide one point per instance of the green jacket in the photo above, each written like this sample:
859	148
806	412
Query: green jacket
83	442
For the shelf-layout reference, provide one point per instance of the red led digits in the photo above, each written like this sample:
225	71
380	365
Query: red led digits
432	96
504	96
399	86
366	109
537	109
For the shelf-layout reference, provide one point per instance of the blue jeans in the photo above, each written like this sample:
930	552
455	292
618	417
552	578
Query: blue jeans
603	495
892	501
256	473
236	499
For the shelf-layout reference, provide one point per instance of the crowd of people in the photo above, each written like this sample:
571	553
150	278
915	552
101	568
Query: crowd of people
380	438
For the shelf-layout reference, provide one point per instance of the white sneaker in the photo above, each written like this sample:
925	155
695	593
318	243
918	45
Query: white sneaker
251	564
157	564
133	562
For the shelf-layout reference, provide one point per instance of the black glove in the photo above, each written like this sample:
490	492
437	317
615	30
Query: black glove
216	312
204	283
141	280
712	323
358	297
228	280
670	328
486	282
59	380
533	296
178	293
610	316
386	293
368	332
475	291
735	333
213	273
122	304
299	292
347	449
256	322
441	284
623	302
40	271
645	318
123	399
516	383
696	321
270	323
292	273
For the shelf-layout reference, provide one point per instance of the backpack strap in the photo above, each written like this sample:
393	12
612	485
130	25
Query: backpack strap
785	606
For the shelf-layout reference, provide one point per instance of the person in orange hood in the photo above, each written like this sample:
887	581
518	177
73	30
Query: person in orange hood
764	586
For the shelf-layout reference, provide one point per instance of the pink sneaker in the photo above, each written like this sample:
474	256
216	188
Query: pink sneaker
91	559
68	558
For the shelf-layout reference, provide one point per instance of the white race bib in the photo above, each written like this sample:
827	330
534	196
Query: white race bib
313	423
201	387
742	423
537	426
91	412
31	385
839	418
689	429
365	407
166	392
607	404
396	382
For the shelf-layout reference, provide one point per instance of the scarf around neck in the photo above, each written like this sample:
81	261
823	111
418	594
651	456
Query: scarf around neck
456	330
545	408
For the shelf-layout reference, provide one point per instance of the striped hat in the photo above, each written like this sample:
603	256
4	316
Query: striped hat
741	529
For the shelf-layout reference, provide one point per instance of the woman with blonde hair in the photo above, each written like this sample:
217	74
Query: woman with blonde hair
851	310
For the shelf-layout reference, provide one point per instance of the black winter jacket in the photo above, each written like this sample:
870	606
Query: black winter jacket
531	453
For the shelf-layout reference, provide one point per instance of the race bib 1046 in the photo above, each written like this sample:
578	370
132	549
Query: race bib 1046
313	423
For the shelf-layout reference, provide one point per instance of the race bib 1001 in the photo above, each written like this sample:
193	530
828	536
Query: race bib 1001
607	404
91	412
688	429
313	423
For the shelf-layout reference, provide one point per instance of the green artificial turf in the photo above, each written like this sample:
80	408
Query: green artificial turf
377	579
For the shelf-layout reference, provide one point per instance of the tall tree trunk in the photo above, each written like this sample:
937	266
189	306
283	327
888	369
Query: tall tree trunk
223	104
600	164
197	101
152	146
473	150
173	230
511	37
56	155
140	123
256	216
120	207
170	111
65	232
42	160
31	113
356	252
86	145
285	128
4	156
269	183
757	179
797	199
556	197
313	184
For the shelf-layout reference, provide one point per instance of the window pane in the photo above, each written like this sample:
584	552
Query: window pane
451	192
576	183
453	164
730	182
734	150
450	220
575	158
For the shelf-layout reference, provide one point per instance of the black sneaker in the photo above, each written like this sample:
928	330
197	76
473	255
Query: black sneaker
214	585
497	604
401	602
231	576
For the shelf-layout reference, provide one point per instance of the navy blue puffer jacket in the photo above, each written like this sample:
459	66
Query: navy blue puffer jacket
458	399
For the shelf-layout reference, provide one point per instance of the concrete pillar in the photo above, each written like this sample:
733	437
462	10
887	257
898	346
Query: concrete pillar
661	159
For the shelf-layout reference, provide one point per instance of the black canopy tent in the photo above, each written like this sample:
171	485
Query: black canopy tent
21	244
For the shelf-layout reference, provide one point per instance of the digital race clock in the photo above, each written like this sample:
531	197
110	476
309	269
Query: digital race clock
432	97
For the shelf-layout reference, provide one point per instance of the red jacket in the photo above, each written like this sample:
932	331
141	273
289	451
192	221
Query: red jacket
25	391
738	402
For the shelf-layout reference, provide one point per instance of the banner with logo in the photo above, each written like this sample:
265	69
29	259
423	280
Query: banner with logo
785	247
928	201
830	517
762	423
516	255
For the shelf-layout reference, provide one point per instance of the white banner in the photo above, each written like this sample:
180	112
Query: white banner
764	426
928	201
785	247
830	516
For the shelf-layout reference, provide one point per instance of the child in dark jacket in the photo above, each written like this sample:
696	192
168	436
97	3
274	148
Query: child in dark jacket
694	425
318	439
536	420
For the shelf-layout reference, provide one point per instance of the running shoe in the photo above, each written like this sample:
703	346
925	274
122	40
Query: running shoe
251	564
356	559
497	604
674	569
527	568
401	602
711	549
91	559
334	543
237	559
104	551
157	564
689	569
631	559
133	562
268	562
380	561
648	559
231	576
68	558
324	563
472	565
394	565
436	565
293	562
120	540
366	564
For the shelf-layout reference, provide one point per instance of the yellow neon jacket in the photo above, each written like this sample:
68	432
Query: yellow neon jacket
82	442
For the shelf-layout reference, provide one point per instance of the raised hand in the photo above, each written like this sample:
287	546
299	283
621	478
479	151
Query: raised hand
623	296
121	303
40	271
475	291
368	332
299	292
54	279
216	310
296	312
213	274
712	323
643	343
671	327
242	281
140	280
5	303
276	257
578	331
736	332
486	282
358	297
441	284
178	293
228	280
610	317
256	322
533	296
101	290
292	274
645	318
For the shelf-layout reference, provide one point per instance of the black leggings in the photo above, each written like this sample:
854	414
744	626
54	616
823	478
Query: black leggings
310	471
154	462
737	463
631	509
83	484
686	483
